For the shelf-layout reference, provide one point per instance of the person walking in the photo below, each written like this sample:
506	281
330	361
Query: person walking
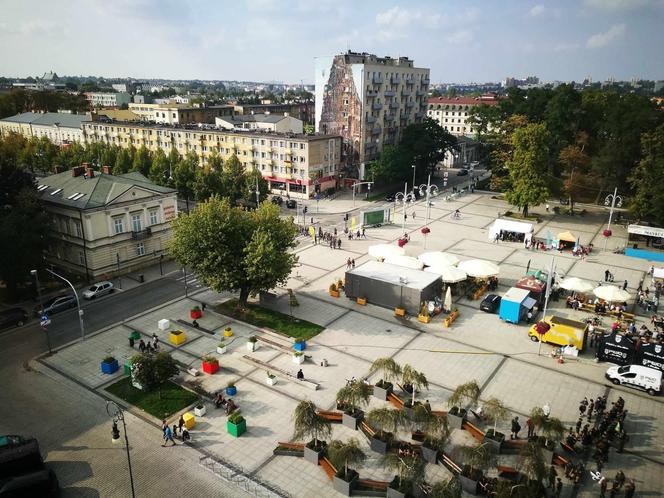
164	424
531	427
552	477
300	374
181	423
352	263
603	485
559	487
516	427
625	285
168	436
348	264
364	235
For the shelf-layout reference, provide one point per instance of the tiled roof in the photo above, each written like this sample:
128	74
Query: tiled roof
49	119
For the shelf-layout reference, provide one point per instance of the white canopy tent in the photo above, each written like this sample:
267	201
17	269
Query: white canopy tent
438	258
449	274
510	226
479	268
386	250
405	261
611	293
577	285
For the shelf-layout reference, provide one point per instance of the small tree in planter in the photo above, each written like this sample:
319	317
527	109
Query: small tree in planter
270	379
463	395
195	313
333	290
298	357
478	458
300	345
231	390
151	371
388	421
252	343
236	425
415	380
436	432
109	365
410	473
390	370
495	410
210	364
221	347
342	455
309	424
552	431
532	464
446	489
351	398
228	332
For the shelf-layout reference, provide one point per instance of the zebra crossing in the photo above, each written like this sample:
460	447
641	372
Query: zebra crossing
192	282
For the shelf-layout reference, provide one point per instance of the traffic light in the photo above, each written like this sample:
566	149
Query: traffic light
346	217
304	209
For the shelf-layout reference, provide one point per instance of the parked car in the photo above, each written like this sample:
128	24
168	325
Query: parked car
13	316
291	203
98	289
637	376
22	469
276	199
490	303
462	172
56	305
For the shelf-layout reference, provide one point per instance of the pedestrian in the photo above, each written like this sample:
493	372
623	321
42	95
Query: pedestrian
352	263
181	423
629	489
547	207
546	409
625	285
583	406
175	430
413	215
185	435
164	424
651	271
364	235
300	374
155	342
603	485
559	487
348	264
516	427
339	243
552	476
141	346
168	436
620	478
607	273
531	427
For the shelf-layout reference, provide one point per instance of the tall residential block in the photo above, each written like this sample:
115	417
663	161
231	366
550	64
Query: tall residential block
368	100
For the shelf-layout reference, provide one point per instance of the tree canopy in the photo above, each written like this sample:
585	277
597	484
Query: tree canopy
648	200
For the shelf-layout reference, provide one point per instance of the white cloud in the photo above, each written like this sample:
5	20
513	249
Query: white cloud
537	11
397	17
601	40
565	47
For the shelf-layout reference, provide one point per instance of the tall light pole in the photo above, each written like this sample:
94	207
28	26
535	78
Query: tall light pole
612	200
258	193
405	189
116	413
549	280
78	301
414	169
41	308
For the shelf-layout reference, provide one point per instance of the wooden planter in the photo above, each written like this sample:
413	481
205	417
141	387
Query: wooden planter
449	319
362	301
478	293
423	318
210	367
334	293
399	311
177	337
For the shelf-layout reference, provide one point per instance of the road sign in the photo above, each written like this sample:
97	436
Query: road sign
44	323
44	317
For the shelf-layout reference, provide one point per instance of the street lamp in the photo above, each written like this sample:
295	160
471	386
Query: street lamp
414	169
612	200
116	413
41	308
78	301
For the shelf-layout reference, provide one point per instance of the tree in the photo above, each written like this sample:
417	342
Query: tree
159	169
122	162
344	454
184	176
495	410
142	161
531	462
251	178
425	145
152	371
464	394
446	489
528	167
479	457
575	163
232	178
391	166
410	469
387	419
353	396
231	249
647	179
309	424
415	379
207	183
387	367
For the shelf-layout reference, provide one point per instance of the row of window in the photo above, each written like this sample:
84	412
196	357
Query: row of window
438	113
136	221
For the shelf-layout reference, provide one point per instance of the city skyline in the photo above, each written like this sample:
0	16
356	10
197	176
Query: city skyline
266	40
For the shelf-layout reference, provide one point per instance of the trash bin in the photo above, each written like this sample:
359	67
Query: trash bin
323	363
131	342
141	278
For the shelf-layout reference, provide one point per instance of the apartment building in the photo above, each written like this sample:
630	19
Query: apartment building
304	111
102	99
267	121
104	224
453	113
180	113
294	164
59	128
368	100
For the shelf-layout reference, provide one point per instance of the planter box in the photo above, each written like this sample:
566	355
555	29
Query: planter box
495	443
210	367
334	293
231	391
300	346
252	346
408	411
110	368
127	367
299	359
270	381
423	318
221	350
177	339
378	445
163	324
344	487
382	392
467	484
228	333
399	312
312	456
352	421
429	455
195	314
394	493
189	420
362	301
200	410
456	421
548	456
236	430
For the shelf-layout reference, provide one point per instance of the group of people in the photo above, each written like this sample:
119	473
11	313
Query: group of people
350	263
170	433
228	405
151	346
582	251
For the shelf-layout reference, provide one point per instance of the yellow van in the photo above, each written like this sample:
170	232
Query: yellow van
562	332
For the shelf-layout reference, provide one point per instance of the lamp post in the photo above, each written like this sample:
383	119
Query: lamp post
116	413
360	184
549	280
612	200
414	169
184	271
78	301
41	308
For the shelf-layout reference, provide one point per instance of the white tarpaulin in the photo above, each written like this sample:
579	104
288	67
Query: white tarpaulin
438	258
611	293
479	268
385	250
405	261
658	273
449	274
509	226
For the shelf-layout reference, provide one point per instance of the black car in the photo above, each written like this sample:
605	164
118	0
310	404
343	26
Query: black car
13	316
490	303
462	172
56	305
291	203
276	199
22	470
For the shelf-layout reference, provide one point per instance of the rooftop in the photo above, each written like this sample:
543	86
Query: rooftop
463	100
63	120
409	278
254	118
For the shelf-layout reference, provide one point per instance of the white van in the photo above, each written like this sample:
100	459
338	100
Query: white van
648	379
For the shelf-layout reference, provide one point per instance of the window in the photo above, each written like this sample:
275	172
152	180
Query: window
77	228
140	249
136	222
81	258
154	219
118	224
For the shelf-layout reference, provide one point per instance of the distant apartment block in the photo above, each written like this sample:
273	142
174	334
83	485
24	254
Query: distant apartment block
59	128
453	113
269	122
180	113
304	111
103	99
368	100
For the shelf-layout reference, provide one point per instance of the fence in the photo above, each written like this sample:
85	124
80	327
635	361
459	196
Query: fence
236	475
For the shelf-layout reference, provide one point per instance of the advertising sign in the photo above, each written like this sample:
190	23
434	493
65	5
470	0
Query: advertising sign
650	355
616	348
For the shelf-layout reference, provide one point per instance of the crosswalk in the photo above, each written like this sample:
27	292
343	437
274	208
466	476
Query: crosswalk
192	282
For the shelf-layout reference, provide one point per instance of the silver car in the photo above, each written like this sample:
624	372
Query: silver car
98	289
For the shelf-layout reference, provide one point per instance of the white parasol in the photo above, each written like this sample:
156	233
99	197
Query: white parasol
479	268
438	258
449	274
577	285
611	293
386	250
405	261
447	304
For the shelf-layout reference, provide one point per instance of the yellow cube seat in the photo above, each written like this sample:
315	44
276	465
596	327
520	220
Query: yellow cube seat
189	420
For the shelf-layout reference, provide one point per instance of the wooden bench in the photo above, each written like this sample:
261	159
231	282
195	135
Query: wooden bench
515	443
332	416
438	413
559	460
191	326
327	466
508	472
366	429
292	446
278	372
370	483
473	431
448	463
396	401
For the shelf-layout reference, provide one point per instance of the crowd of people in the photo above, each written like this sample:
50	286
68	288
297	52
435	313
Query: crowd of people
151	346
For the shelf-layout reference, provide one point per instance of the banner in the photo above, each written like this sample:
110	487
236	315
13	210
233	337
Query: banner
616	348
650	355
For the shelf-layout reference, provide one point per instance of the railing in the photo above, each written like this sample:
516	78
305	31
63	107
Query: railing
377	79
371	119
377	106
406	93
141	234
396	79
390	93
236	475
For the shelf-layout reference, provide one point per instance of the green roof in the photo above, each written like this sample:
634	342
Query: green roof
95	192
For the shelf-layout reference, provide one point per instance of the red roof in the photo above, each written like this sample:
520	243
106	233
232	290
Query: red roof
463	100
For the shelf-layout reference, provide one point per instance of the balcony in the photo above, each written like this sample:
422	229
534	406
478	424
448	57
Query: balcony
403	115
409	80
419	114
406	93
371	119
378	80
376	130
389	117
395	79
141	234
425	80
372	93
420	93
394	105
377	106
410	104
390	93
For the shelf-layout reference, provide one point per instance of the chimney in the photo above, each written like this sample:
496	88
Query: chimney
106	169
89	172
77	171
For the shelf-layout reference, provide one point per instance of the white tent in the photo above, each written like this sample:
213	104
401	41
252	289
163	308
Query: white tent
449	274
577	285
405	261
479	268
386	250
438	258
611	293
509	226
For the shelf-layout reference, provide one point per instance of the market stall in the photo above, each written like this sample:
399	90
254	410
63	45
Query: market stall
511	230
515	304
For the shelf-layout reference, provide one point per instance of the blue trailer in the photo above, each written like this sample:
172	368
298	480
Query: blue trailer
515	304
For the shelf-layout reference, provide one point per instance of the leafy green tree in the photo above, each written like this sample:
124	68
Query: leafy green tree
576	164
391	165
233	176
159	170
410	470
231	249
152	371
446	489
142	161
309	424
416	380
343	454
184	176
251	178
207	183
425	145
647	179
122	162
528	167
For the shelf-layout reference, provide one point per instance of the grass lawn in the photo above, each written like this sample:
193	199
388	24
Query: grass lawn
263	317
173	397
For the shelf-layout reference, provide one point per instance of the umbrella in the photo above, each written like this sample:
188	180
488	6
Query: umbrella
611	293
577	285
566	237
405	261
449	274
386	250
437	258
447	304
479	268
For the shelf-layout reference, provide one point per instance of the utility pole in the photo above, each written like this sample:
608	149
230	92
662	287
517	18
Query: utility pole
549	279
405	189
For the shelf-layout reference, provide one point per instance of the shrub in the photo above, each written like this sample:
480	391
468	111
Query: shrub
108	359
222	344
253	338
235	417
209	359
231	383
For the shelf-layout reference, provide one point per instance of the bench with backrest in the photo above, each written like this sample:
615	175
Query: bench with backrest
278	372
473	431
292	446
450	464
396	401
366	429
327	466
372	484
332	416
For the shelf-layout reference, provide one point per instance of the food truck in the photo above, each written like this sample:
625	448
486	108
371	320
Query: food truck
515	304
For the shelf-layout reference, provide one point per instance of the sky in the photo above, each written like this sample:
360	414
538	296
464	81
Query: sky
277	40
